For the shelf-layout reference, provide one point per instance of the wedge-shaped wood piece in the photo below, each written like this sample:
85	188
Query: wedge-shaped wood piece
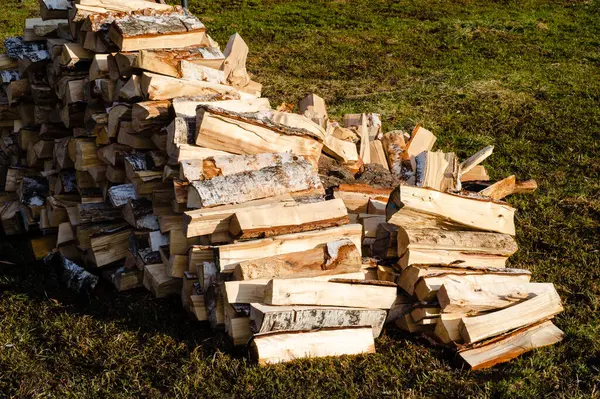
138	32
511	345
378	154
320	293
249	291
203	169
475	160
230	255
291	177
258	132
158	87
285	219
421	140
454	209
335	257
427	287
234	66
265	318
469	297
545	305
283	347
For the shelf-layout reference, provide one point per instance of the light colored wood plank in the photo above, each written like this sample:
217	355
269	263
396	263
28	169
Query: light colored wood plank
284	347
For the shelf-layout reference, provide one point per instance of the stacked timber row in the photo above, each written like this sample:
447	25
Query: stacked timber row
134	148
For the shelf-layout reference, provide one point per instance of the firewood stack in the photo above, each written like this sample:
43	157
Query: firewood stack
138	150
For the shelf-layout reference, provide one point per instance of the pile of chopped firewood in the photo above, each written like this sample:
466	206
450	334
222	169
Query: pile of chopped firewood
135	150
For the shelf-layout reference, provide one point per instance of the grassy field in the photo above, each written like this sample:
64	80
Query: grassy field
523	76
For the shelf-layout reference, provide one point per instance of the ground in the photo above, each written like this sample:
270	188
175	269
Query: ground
523	76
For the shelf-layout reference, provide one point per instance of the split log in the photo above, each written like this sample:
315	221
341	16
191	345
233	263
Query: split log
234	67
377	154
265	318
468	298
427	286
121	194
175	30
284	219
17	90
475	160
131	91
159	282
97	212
99	67
343	151
210	167
283	347
356	197
230	255
150	113
467	248
138	213
443	207
543	306
158	87
421	140
335	257
260	132
216	220
54	9
170	62
314	108
253	291
326	293
365	146
117	114
512	345
508	186
179	244
109	246
247	186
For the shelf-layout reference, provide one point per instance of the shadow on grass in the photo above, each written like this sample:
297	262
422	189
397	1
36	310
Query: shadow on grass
134	310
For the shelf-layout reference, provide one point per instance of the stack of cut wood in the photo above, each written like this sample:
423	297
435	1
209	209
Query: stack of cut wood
134	148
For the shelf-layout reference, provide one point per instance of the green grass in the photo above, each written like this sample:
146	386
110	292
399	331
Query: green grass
523	76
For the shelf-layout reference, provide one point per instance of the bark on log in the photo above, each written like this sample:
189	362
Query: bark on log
267	182
335	257
265	318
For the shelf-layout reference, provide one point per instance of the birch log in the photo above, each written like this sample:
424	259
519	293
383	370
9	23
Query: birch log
293	177
285	219
265	318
